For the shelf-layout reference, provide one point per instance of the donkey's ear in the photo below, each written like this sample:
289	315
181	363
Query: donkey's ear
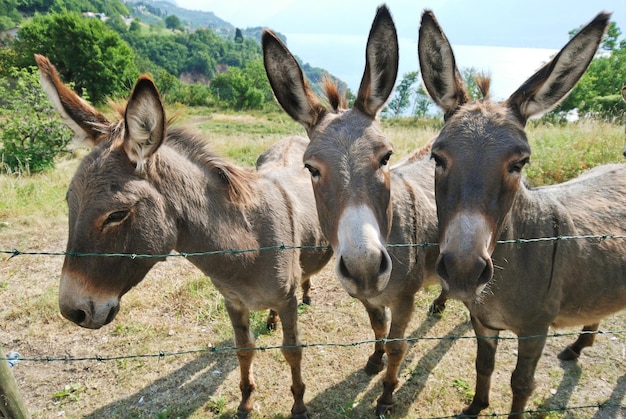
144	122
287	81
439	71
551	83
381	64
87	123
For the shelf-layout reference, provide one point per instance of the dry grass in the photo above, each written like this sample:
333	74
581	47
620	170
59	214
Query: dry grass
176	309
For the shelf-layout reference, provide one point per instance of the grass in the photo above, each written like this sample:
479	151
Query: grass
176	309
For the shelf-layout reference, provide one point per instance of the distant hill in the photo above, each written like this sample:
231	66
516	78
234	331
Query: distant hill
154	11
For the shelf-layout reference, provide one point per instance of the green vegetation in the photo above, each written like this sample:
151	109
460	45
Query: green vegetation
598	91
31	132
85	51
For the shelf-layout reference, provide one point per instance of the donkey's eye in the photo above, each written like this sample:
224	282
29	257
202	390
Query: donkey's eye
439	161
115	217
312	170
517	166
385	160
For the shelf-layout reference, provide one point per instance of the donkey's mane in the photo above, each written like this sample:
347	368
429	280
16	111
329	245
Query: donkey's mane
421	152
237	180
336	99
483	82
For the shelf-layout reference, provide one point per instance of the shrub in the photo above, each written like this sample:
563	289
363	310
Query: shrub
31	132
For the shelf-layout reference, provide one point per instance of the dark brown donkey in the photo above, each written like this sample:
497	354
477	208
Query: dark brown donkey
481	198
144	189
362	204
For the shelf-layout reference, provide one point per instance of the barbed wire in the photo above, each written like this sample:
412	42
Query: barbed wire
162	354
215	349
282	246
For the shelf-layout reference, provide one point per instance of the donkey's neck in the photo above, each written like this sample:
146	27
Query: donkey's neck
197	185
534	213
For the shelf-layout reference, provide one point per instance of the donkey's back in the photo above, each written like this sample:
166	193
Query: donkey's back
282	163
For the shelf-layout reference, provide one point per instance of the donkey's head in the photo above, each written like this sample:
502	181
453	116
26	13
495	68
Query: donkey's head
482	149
114	206
348	155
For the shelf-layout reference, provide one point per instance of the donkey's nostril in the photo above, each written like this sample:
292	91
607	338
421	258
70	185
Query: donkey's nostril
112	314
343	269
487	272
384	265
77	316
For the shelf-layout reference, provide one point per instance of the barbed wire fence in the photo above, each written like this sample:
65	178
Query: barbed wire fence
12	359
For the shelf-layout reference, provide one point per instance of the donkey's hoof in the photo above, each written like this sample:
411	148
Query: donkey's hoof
383	409
307	301
303	415
272	325
436	310
243	415
568	354
373	368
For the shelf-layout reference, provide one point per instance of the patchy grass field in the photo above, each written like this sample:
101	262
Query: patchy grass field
177	310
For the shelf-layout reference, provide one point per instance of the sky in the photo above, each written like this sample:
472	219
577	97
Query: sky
508	39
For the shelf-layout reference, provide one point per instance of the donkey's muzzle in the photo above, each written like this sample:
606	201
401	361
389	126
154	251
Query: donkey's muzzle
90	314
464	277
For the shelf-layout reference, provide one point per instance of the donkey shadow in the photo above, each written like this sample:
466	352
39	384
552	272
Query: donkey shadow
352	386
614	407
572	372
185	390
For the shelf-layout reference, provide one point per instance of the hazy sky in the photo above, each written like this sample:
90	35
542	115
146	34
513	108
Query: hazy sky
509	39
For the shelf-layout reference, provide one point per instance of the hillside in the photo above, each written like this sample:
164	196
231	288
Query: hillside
155	11
192	46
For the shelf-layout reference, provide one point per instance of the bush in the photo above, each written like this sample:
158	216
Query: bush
31	132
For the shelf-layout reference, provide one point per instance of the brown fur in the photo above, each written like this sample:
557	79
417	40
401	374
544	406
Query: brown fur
172	192
481	198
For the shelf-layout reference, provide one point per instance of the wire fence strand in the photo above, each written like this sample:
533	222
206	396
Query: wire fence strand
15	252
215	349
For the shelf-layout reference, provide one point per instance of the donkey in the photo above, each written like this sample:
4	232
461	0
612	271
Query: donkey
363	205
481	198
144	189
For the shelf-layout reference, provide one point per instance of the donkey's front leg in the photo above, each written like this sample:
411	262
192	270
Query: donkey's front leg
292	351
379	320
523	379
400	316
487	342
240	319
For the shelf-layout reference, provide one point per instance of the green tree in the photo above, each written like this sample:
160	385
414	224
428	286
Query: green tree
9	14
31	132
401	99
245	88
598	91
421	102
173	22
84	51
